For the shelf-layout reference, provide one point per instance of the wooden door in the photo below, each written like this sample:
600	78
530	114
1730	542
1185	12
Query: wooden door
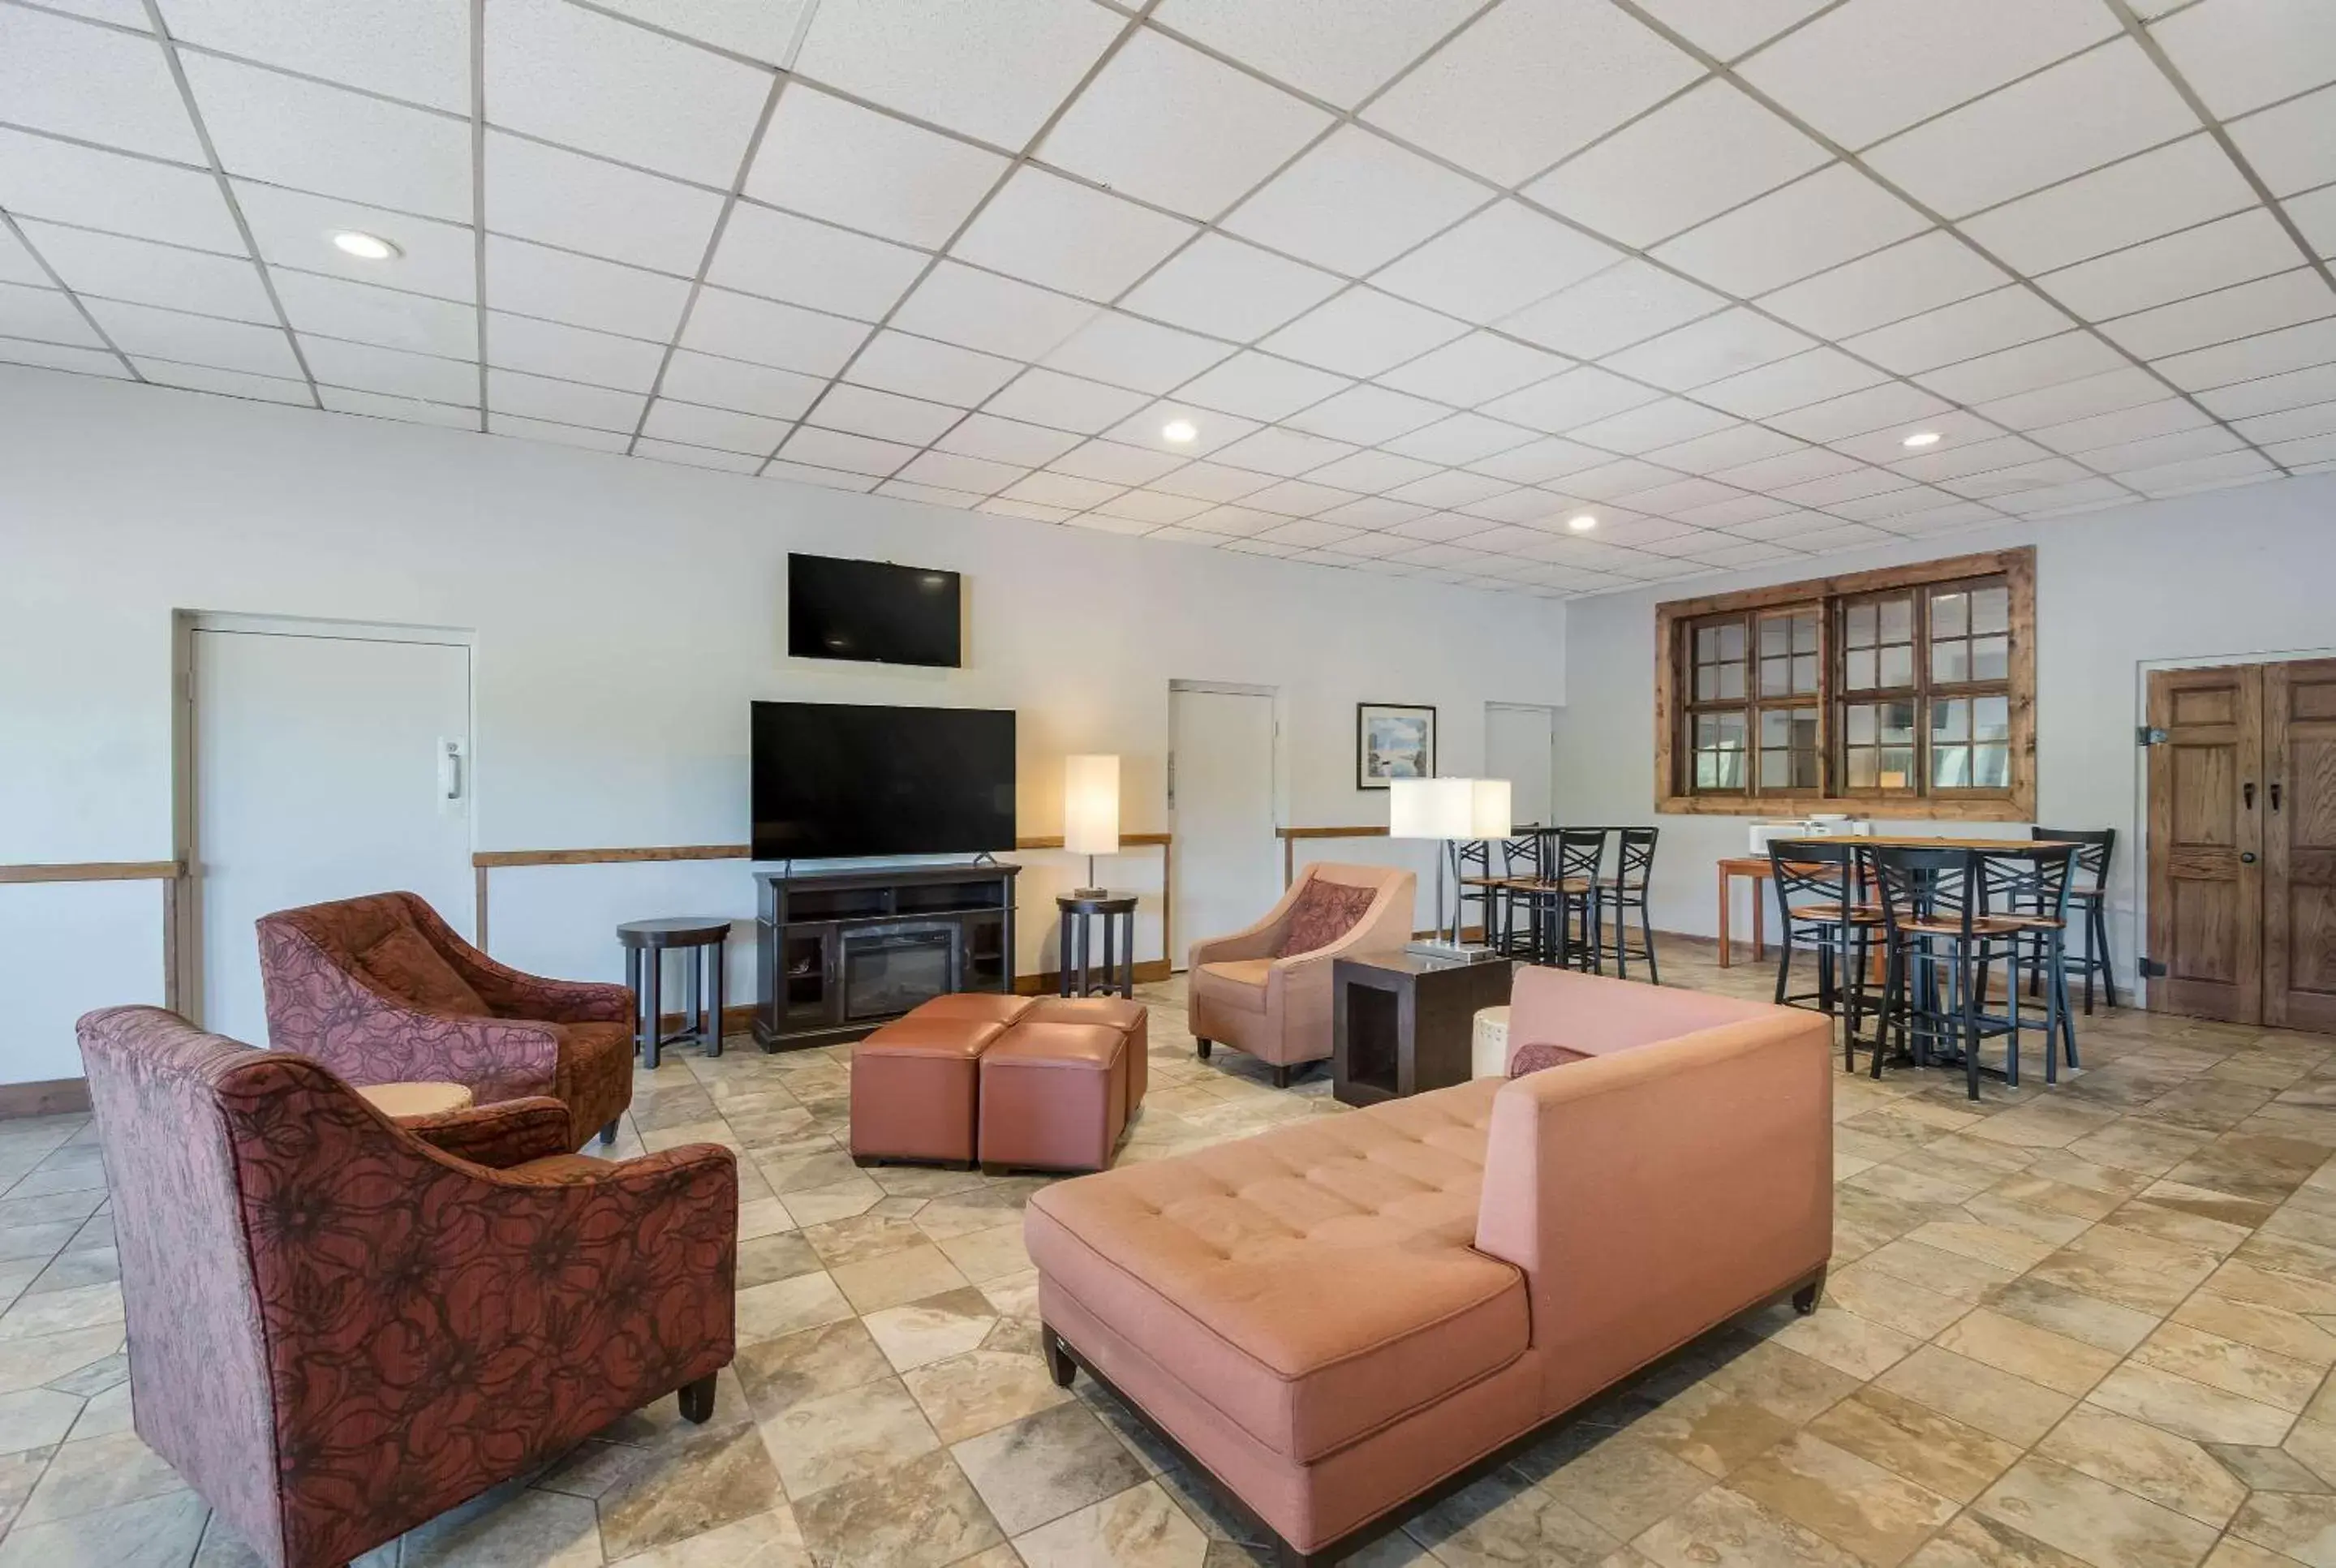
2206	842
2299	833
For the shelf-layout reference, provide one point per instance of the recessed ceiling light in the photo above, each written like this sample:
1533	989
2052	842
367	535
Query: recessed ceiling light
1582	524
1178	431
1922	439
365	247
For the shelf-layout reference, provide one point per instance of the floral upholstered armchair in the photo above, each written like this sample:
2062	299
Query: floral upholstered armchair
381	990
342	1325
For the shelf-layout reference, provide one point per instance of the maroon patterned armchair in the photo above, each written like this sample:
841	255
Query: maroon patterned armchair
381	990
342	1325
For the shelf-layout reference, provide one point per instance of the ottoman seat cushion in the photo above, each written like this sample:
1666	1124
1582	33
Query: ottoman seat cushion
977	1006
1054	1096
1312	1284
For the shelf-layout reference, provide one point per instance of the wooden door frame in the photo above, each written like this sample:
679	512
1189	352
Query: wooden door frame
2161	689
183	955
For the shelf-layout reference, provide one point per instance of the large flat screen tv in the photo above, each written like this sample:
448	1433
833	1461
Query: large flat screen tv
872	611
834	780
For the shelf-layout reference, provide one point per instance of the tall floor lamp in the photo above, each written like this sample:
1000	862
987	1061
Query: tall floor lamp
1090	813
1446	810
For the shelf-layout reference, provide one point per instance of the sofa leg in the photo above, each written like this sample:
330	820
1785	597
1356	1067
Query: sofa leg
1059	1365
1805	1299
697	1401
608	1133
1201	1047
1281	1076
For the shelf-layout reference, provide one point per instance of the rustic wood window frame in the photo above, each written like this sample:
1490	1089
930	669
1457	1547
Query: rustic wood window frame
1674	691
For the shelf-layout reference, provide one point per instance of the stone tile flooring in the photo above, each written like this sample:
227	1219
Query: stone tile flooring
2088	1326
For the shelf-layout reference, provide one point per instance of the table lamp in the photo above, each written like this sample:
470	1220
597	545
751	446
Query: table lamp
1446	810
1090	813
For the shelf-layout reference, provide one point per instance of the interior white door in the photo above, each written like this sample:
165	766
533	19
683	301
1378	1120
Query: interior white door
1518	746
323	767
1221	810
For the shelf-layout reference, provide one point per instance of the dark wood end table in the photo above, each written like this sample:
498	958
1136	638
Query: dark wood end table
1402	1022
646	944
1117	911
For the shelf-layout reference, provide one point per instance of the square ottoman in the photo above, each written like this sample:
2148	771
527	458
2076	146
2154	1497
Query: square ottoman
916	1082
1055	1096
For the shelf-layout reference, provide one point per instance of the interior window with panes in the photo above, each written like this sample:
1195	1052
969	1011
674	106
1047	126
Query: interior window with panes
1899	692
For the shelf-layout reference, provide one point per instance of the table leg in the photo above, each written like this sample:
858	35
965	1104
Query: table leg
652	1046
1725	882
1759	919
1110	950
1071	924
716	974
693	991
1127	958
633	985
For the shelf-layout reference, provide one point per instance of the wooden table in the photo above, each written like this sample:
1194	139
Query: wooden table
1402	1023
1757	868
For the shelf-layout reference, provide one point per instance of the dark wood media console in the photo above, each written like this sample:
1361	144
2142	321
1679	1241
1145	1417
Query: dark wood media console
839	952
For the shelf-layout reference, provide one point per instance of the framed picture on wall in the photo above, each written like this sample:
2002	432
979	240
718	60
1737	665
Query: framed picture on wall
1392	740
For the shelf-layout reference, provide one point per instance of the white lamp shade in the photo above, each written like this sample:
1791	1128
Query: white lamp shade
1091	805
1491	818
1448	808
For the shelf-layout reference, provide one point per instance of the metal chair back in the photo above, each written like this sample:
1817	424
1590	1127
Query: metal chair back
2095	846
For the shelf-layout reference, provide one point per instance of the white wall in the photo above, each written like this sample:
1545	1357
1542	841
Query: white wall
2215	577
625	613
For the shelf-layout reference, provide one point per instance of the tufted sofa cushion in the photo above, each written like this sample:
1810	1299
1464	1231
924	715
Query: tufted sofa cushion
1314	1282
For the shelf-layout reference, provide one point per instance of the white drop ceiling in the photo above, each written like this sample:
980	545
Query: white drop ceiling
1427	278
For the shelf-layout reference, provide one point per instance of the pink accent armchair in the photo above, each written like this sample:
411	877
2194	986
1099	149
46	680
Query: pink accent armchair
331	996
1246	992
342	1325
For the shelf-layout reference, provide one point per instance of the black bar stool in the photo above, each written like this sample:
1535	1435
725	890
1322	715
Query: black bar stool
2089	895
1940	939
1634	868
1571	898
2032	889
1520	866
645	942
1821	904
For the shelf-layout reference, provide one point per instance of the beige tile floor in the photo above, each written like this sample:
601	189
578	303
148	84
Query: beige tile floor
2088	1326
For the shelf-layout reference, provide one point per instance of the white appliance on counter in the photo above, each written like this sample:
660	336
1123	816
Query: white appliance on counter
1826	826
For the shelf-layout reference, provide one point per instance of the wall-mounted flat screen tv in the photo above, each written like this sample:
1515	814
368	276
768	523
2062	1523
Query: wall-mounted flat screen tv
872	611
834	780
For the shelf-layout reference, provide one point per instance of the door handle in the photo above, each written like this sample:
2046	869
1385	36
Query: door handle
450	770
2274	797
2247	857
2247	795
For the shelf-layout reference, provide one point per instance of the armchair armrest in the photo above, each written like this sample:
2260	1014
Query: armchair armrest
1650	1194
508	1133
1259	940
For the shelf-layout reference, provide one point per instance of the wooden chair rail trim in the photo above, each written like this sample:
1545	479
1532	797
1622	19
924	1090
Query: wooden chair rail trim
95	871
1290	836
485	860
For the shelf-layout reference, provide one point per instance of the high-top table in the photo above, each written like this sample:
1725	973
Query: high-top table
646	944
1757	868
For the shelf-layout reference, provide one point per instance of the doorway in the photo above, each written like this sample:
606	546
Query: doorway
1221	809
1520	746
2241	843
320	763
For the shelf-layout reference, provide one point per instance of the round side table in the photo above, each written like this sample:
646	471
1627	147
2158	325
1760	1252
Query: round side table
1118	913
645	942
399	1102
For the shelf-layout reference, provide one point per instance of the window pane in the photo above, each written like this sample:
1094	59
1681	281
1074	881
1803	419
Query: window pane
1732	682
1776	677
1950	661
1991	610
1775	635
1897	768
1991	659
1706	684
1707	644
1858	670
1861	768
1951	719
1898	666
1805	674
1991	767
1898	723
1712	730
1949	613
1858	626
1804	633
1731	640
1776	769
1949	767
1992	715
1859	718
1897	620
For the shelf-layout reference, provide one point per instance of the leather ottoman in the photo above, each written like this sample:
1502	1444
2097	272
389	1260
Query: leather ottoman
916	1082
1059	1088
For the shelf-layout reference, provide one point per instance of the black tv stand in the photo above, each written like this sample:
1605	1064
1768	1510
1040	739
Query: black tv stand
841	951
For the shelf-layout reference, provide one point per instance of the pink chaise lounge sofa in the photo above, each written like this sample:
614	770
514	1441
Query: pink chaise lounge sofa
1342	1318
